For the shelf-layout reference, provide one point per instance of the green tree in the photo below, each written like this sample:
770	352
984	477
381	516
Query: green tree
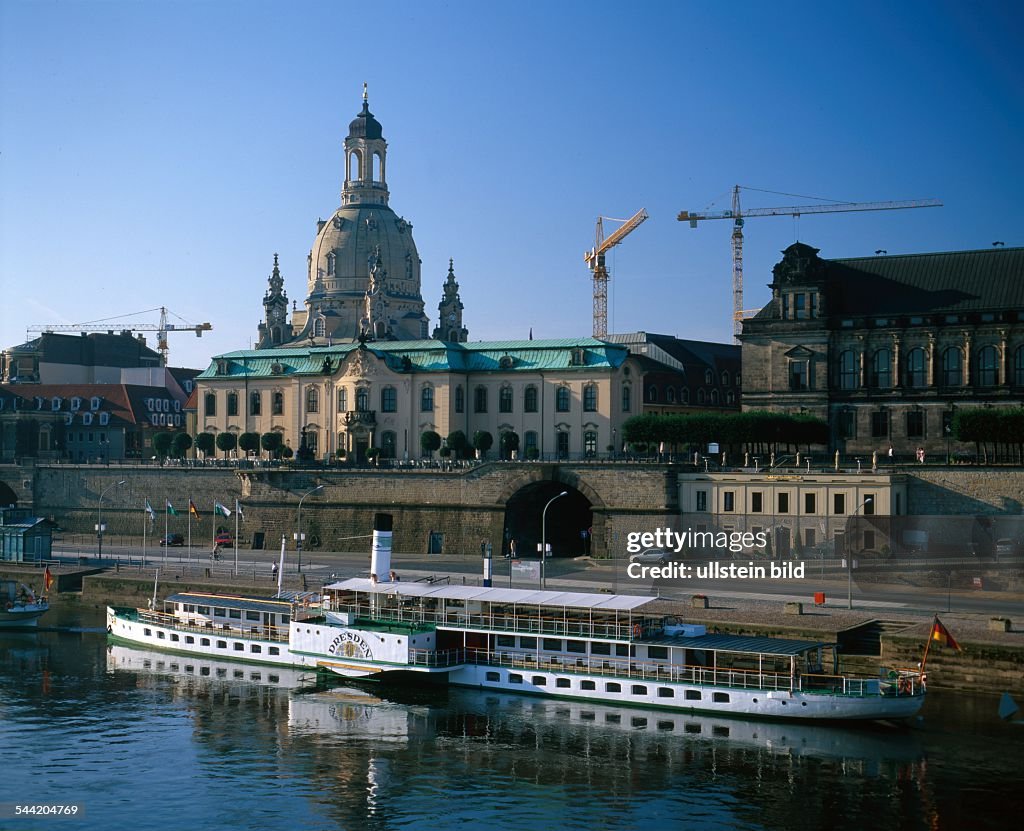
272	443
162	444
483	441
249	442
180	445
429	442
509	443
226	442
459	444
206	443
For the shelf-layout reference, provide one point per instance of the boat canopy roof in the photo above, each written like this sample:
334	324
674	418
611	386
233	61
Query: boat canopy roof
740	643
522	597
224	601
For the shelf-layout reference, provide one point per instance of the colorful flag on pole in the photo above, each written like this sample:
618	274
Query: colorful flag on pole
170	508
941	635
221	510
150	511
192	509
238	508
47	578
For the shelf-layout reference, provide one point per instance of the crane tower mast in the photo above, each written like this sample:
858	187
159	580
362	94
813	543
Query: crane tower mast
595	259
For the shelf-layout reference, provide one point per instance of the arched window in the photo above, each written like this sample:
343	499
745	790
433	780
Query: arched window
709	376
460	400
319	328
388	400
562	400
880	375
714	397
353	165
700	396
670	395
684	395
590	398
312	440
480	400
1018	367
362	399
278	403
232	401
388	443
530	399
427	400
952	367
590	443
330	264
730	397
627	398
210	404
312	400
255	403
505	399
530	447
988	366
563	444
916	376
342	399
725	379
848	370
652	394
378	172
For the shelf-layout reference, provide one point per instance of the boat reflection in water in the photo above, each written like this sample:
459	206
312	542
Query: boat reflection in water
392	714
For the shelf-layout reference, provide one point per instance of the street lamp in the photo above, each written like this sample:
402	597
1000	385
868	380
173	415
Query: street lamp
544	537
849	560
99	519
298	534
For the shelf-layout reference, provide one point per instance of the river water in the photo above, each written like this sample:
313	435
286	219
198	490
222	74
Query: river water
146	740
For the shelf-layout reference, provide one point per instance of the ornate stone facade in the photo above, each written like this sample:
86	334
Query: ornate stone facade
887	348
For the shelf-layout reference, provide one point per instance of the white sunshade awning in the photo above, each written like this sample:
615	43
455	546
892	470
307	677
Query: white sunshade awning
533	597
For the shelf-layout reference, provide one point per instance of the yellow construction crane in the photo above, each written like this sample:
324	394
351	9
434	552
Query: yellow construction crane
595	259
738	215
110	324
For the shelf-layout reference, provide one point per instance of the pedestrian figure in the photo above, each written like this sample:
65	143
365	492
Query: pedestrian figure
891	457
273	569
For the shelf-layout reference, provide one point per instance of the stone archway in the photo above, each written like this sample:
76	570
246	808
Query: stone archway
569	525
7	496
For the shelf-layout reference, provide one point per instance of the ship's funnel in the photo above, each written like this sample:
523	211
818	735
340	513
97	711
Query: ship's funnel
380	559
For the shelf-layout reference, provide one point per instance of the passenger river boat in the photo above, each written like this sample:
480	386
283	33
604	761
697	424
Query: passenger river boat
591	647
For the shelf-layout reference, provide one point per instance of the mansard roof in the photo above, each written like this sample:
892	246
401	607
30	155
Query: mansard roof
425	356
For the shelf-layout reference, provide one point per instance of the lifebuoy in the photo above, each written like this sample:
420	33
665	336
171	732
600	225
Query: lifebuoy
637	630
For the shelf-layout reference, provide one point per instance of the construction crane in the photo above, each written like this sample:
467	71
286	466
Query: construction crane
738	215
110	324
595	259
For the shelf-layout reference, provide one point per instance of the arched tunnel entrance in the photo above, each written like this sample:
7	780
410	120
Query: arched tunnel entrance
8	498
569	521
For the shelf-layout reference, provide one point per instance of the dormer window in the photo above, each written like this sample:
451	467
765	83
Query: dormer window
577	357
94	403
222	367
55	403
330	264
76	404
506	361
104	419
86	419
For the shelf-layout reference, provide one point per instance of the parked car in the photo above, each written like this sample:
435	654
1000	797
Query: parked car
173	539
651	555
1006	548
224	539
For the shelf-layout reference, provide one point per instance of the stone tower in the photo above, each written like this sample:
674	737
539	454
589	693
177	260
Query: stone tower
449	324
275	330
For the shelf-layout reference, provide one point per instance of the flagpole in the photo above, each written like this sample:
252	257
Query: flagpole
236	537
927	646
167	506
189	512
213	527
145	522
280	568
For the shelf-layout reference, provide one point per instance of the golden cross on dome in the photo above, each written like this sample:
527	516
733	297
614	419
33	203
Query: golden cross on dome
365	98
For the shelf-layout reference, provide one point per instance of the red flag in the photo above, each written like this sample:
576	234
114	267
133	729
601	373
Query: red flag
941	634
47	578
193	509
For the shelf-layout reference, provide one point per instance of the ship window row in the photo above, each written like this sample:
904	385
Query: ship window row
576	647
609	687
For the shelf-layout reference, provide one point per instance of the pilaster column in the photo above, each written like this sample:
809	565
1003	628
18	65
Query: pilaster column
967	359
930	361
896	375
1004	360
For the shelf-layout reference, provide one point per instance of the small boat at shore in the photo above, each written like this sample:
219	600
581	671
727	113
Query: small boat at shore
19	605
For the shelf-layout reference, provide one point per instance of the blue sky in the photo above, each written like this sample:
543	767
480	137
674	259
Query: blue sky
160	153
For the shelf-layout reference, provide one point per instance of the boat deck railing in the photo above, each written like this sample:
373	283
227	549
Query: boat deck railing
748	679
541	626
254	631
433	658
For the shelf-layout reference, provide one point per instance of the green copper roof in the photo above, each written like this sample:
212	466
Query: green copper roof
424	356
